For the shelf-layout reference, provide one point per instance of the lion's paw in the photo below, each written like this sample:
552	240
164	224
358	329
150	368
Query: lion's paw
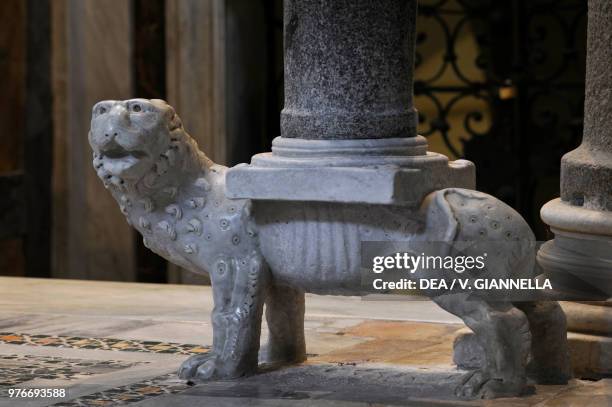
481	385
199	368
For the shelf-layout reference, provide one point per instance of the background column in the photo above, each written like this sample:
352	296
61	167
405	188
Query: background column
579	259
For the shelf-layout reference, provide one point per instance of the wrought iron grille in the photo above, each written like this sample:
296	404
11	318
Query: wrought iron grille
504	81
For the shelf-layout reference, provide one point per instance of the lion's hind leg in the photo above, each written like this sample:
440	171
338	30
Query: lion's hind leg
285	318
549	362
503	332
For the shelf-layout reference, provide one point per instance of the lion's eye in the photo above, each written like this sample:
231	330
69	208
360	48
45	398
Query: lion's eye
137	108
101	110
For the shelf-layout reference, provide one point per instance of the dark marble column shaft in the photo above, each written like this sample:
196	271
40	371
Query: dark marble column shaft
348	69
586	173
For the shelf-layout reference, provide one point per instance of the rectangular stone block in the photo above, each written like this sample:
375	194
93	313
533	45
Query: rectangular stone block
370	185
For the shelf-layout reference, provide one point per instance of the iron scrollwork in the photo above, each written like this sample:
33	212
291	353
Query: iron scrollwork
503	79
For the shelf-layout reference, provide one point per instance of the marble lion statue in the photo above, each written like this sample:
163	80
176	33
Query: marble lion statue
173	195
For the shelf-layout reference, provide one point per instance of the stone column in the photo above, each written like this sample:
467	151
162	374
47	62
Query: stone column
348	127
579	259
586	172
348	69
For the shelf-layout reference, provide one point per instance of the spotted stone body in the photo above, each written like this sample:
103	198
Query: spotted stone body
196	226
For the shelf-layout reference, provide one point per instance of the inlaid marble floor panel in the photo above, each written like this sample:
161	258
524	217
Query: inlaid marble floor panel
121	344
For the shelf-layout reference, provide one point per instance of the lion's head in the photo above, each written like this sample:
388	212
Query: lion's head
132	138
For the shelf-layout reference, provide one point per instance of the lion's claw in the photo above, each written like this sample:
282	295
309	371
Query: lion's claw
198	367
482	385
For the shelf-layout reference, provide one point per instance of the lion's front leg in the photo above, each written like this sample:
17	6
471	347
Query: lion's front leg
239	286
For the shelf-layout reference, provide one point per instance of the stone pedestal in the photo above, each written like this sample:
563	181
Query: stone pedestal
348	127
579	259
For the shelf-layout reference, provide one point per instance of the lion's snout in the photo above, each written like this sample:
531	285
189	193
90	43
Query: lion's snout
109	127
118	119
128	136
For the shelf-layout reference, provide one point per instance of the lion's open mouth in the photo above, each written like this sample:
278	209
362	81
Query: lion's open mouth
118	152
116	160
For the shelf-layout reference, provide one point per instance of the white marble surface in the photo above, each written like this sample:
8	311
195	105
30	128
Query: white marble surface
177	313
344	333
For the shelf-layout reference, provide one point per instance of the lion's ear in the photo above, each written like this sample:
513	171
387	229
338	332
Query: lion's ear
160	102
163	106
174	122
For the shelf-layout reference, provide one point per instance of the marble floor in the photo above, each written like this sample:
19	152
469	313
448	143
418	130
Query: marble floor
106	343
